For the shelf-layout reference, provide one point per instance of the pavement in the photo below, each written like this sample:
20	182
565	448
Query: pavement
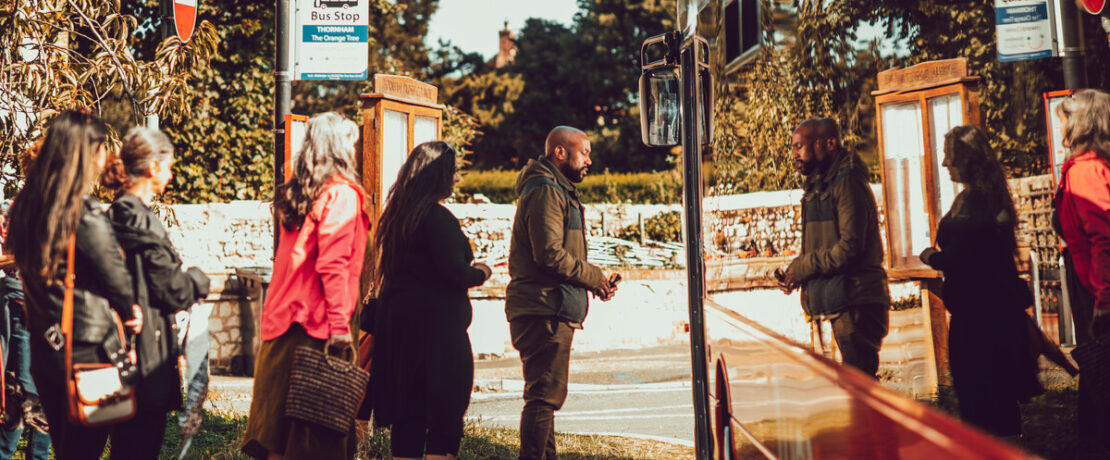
642	393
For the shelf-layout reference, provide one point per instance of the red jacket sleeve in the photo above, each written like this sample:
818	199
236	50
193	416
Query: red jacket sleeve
1092	203
338	210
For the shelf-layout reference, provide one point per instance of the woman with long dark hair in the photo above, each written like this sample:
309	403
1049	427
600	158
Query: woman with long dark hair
423	368
162	287
313	289
1082	219
54	207
988	339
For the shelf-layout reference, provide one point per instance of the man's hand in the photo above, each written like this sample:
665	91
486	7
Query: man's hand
1100	323
606	290
136	321
787	282
928	254
340	341
484	268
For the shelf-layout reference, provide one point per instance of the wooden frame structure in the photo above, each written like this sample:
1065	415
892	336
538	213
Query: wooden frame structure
914	108
395	99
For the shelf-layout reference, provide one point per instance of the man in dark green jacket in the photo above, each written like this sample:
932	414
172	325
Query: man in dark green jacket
840	267
546	297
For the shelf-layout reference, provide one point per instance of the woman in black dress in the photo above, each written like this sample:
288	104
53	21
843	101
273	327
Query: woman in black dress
423	369
988	341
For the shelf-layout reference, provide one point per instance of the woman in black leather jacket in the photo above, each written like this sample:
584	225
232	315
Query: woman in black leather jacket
53	206
162	288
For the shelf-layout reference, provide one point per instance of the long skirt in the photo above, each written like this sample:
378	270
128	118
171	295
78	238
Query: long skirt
268	429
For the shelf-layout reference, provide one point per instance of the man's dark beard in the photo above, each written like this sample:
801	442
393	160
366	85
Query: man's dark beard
574	175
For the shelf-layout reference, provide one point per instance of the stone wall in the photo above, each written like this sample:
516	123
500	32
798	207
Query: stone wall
746	238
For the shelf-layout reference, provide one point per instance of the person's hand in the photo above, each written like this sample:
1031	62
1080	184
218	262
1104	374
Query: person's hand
484	268
340	341
606	290
136	321
928	254
1100	322
788	283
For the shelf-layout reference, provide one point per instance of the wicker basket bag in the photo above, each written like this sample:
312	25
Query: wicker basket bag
324	389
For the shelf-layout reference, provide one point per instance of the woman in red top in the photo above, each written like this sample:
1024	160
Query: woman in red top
313	289
1083	221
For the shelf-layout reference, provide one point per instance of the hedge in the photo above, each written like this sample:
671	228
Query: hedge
649	188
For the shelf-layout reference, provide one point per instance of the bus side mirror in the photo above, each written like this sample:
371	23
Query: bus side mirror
660	112
660	107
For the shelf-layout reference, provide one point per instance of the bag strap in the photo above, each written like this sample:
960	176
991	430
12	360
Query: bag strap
67	305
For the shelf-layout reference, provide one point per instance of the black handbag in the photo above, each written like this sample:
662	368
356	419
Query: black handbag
366	316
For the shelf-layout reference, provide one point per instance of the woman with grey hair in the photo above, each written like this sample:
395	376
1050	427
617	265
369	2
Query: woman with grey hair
141	173
1082	219
313	289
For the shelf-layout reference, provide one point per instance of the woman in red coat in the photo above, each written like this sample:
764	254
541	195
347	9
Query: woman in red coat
1083	221
314	287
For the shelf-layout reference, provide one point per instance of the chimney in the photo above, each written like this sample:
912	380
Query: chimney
506	51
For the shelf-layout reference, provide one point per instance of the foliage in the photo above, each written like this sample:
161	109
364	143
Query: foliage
657	188
817	67
665	226
74	54
1010	93
583	75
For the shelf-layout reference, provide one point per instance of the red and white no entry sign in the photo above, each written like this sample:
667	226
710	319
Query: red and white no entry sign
1095	6
184	18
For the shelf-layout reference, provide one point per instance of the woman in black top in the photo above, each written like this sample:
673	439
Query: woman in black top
423	369
988	341
162	288
53	206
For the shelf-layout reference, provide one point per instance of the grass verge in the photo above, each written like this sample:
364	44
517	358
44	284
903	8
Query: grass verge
1048	421
222	433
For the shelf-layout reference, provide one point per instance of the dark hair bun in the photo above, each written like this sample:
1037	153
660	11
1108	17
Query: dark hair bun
115	174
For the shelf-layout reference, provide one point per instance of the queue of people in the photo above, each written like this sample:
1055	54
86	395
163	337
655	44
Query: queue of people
95	282
102	288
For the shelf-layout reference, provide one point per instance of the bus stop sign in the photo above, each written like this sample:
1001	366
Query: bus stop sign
184	18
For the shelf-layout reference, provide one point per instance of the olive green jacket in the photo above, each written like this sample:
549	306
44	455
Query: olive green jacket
548	245
840	234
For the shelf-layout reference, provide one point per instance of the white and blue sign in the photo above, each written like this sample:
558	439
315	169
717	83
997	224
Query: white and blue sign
331	40
1024	30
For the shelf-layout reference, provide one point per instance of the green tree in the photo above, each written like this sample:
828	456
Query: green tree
817	67
73	54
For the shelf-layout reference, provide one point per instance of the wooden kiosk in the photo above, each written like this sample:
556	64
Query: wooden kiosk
400	114
915	108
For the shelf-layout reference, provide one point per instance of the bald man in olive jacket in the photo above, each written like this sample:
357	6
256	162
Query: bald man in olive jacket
840	268
546	297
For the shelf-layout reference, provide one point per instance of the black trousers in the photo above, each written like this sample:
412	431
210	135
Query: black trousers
859	333
544	345
70	441
141	437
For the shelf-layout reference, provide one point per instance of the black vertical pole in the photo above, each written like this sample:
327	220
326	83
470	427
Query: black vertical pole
1071	45
282	94
695	268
